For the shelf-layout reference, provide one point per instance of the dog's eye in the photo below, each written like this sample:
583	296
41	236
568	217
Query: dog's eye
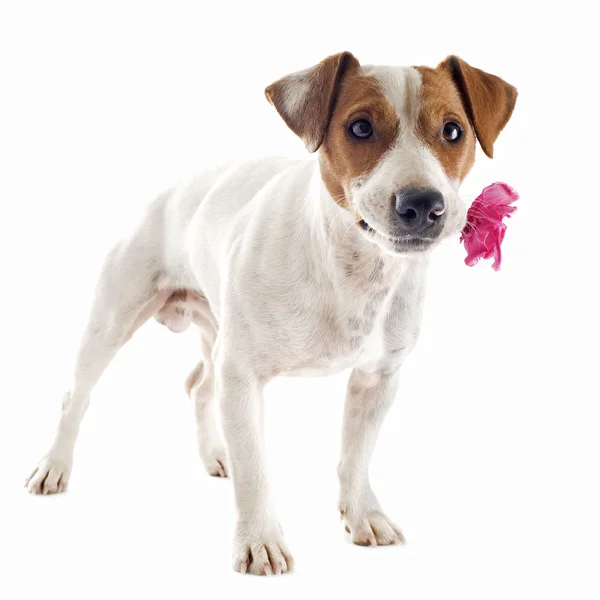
361	129
452	132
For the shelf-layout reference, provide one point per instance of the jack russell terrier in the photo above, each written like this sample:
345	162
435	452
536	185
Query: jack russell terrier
298	267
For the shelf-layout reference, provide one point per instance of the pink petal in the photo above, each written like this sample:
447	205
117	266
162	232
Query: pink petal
484	231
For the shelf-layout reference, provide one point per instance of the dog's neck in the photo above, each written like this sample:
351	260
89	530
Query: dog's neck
354	261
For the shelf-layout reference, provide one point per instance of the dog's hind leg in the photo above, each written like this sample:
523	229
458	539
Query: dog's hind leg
126	296
200	387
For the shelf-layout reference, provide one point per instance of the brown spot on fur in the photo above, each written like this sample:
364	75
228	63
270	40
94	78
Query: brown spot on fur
488	100
441	102
343	159
308	114
320	104
479	102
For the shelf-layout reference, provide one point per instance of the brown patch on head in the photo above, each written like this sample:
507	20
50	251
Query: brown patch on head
345	159
305	100
320	103
440	103
479	102
488	100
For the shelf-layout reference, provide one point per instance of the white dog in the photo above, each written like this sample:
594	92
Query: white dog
299	267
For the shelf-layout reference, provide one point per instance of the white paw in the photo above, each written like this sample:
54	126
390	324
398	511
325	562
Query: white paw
215	460
261	554
373	528
51	476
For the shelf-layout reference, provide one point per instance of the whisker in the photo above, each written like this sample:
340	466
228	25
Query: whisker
347	230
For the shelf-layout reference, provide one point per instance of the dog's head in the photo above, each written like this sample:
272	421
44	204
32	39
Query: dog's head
396	142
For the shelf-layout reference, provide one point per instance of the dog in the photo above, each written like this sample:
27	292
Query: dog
298	267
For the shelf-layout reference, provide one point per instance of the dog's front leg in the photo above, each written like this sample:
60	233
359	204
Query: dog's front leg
259	546
368	399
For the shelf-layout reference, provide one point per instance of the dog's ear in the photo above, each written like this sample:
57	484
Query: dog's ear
306	99
488	100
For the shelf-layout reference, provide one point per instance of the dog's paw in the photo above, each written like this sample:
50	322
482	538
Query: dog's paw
261	555
372	529
51	476
215	461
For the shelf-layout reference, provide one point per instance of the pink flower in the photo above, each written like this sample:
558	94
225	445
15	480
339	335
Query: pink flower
484	231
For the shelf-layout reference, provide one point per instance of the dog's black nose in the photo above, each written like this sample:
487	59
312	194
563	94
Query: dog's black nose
420	209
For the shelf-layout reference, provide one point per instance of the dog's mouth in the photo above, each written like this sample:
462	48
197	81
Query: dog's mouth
364	225
399	245
411	244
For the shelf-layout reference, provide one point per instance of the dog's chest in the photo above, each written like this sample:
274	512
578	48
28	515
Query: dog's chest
363	320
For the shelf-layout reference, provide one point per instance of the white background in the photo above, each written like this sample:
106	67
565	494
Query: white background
489	458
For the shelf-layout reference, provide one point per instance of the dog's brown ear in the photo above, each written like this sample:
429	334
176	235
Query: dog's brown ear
306	99
488	100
